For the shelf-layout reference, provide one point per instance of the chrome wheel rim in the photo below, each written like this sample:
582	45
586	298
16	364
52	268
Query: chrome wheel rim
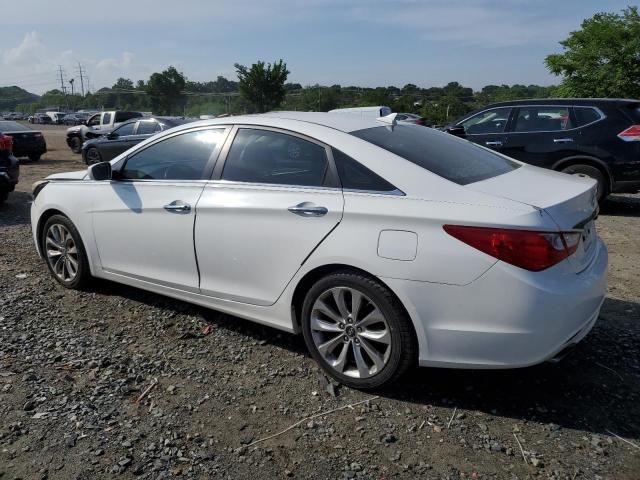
350	332
62	252
93	156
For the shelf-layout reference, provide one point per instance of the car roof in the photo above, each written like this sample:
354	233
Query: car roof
564	101
337	121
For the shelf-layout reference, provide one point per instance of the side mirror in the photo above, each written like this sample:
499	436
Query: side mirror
112	136
100	171
457	130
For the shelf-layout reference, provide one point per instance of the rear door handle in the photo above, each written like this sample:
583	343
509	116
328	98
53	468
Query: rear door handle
177	206
495	143
562	140
308	209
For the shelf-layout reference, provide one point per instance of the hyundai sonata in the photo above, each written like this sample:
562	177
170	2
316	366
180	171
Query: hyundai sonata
386	245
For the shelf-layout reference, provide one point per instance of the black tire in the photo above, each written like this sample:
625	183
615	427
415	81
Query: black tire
592	172
76	145
4	196
34	157
92	156
403	343
83	271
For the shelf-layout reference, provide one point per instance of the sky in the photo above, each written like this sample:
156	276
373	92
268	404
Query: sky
350	42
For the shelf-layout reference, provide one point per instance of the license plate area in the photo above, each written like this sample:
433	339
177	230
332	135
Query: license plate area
588	236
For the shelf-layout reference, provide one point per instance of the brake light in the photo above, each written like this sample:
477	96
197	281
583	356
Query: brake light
531	250
6	143
631	134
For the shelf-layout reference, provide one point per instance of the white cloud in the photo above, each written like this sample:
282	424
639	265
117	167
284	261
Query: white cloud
29	51
121	63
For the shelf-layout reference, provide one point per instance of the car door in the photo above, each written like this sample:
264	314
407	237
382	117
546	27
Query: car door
143	218
488	128
117	141
541	135
269	205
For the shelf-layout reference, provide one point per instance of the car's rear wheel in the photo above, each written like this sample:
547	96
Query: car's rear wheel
34	157
593	172
4	196
64	252
76	145
93	156
358	332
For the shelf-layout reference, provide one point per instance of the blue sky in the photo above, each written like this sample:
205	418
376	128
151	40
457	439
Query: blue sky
357	42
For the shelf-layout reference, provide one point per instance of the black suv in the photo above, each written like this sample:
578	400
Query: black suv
595	137
9	167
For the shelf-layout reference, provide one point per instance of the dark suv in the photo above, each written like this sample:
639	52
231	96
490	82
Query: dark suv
595	137
9	167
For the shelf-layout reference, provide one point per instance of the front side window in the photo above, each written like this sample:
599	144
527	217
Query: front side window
106	119
148	127
124	130
263	156
490	121
542	119
183	157
93	121
355	176
450	157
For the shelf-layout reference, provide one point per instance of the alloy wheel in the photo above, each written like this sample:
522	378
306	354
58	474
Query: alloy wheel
350	332
62	252
93	156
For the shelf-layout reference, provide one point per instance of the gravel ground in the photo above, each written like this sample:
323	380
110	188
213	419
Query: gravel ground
74	366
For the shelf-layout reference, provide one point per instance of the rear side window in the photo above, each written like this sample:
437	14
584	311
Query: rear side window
445	155
542	119
148	127
106	119
183	157
586	115
634	113
263	156
124	130
355	176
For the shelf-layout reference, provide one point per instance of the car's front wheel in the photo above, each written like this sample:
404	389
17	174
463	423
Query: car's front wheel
358	332
93	156
76	145
64	252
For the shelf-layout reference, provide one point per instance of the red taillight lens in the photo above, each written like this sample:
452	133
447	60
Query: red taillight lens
531	250
631	134
6	143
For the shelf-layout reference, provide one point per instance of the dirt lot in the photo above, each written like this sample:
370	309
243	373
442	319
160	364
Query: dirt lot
73	364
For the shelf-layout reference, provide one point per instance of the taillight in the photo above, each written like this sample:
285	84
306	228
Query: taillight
531	250
6	143
631	134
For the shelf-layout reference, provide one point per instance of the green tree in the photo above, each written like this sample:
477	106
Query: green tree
602	59
165	91
263	84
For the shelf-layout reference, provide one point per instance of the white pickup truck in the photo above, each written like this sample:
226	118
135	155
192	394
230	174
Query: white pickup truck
96	125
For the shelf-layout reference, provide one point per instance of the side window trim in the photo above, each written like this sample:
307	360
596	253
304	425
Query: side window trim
331	180
572	116
507	128
211	163
592	107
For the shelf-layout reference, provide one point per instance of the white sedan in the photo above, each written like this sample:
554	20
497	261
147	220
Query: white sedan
386	245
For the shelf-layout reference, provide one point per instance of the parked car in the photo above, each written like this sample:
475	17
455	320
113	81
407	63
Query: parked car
124	137
9	168
385	247
599	138
40	118
411	118
57	118
75	118
371	112
96	125
26	142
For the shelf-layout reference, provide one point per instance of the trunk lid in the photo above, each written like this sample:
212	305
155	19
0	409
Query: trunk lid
569	200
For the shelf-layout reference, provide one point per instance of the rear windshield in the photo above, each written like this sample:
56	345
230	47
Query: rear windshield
445	155
7	126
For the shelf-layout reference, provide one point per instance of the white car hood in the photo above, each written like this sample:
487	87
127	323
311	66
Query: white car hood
79	175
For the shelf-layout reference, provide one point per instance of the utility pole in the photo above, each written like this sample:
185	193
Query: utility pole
71	80
62	87
81	78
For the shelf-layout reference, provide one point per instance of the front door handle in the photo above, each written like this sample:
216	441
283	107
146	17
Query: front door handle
177	206
308	209
562	140
496	143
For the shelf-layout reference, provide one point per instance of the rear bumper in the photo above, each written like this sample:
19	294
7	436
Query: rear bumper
508	318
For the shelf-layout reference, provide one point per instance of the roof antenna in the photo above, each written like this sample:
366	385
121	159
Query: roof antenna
390	120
